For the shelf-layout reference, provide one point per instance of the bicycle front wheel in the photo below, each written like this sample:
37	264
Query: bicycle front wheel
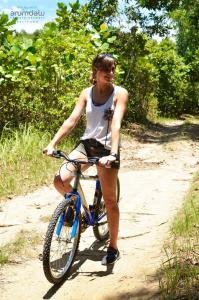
101	230
59	251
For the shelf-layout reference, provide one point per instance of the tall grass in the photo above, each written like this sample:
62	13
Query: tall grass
180	272
22	164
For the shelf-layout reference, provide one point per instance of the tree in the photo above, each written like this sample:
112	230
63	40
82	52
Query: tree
102	11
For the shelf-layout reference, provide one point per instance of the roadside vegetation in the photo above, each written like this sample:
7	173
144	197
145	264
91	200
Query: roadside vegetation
180	271
24	245
22	164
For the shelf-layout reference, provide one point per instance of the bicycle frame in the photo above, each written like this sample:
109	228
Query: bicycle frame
77	197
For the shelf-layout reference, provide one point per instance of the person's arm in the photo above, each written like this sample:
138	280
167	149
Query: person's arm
68	124
120	108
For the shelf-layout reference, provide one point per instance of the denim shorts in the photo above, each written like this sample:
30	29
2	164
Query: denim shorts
93	148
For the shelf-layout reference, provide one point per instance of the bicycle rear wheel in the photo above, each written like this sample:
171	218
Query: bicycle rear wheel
101	230
59	251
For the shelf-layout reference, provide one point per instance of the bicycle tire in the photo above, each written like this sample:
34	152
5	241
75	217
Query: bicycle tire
99	210
64	262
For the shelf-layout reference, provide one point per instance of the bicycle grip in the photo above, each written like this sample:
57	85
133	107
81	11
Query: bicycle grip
56	154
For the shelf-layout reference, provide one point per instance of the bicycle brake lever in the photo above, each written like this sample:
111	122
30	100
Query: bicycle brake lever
56	154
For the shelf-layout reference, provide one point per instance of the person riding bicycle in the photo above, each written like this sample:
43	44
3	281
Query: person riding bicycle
105	104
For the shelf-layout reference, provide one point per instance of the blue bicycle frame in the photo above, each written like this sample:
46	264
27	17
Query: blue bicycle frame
78	200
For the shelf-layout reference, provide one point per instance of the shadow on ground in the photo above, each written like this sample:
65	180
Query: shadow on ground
159	133
95	253
152	291
142	294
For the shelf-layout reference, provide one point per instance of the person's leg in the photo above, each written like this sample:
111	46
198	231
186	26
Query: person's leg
108	180
65	175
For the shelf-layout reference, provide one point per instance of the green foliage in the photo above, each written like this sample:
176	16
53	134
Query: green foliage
5	27
180	272
137	74
42	74
159	4
173	76
186	17
102	11
75	17
21	153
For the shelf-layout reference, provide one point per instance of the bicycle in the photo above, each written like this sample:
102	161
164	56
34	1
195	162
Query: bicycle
68	222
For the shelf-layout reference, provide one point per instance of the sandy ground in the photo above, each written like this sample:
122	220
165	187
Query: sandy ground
157	166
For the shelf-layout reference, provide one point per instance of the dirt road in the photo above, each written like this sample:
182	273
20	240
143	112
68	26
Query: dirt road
157	167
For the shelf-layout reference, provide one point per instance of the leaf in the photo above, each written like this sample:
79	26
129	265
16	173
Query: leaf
111	39
53	26
8	75
16	72
103	26
2	70
97	43
105	47
32	50
31	58
39	42
71	56
75	6
10	39
12	22
3	19
27	43
61	5
31	68
15	48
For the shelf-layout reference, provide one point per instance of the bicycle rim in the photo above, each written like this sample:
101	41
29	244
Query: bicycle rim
59	251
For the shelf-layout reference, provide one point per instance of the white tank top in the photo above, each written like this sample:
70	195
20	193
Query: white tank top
97	126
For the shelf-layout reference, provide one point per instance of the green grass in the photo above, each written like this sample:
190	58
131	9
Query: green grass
24	245
163	120
23	167
45	219
180	272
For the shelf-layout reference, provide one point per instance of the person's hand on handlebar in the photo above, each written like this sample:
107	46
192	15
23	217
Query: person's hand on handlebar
49	150
107	160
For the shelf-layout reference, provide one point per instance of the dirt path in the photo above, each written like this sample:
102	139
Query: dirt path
155	175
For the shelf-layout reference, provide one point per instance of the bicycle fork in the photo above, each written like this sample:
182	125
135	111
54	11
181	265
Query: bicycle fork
75	200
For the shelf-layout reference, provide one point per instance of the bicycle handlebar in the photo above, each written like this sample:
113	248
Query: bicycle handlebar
61	154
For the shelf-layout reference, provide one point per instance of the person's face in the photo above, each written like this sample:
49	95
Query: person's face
106	75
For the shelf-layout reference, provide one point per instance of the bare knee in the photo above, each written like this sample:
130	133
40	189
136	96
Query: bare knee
62	186
57	181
